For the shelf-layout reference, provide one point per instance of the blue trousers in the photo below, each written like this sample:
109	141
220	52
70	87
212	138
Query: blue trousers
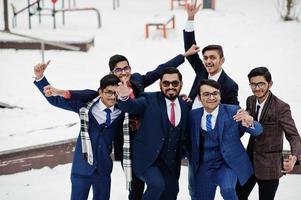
81	184
161	184
202	185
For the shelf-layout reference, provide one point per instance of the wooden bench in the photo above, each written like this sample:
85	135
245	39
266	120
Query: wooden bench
180	3
160	22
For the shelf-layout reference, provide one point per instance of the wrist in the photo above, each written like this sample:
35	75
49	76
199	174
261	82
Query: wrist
38	78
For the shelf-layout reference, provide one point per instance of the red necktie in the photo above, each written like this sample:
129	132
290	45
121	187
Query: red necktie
172	114
132	95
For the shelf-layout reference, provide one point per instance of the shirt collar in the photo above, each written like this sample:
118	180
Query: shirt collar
215	76
213	113
261	104
168	101
102	106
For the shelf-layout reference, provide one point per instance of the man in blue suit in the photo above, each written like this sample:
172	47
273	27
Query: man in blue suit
120	66
101	121
218	157
157	146
211	65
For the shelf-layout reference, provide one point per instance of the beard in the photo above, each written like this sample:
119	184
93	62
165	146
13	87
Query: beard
171	96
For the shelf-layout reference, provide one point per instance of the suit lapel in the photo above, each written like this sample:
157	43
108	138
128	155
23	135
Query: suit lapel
197	126
220	121
163	110
265	107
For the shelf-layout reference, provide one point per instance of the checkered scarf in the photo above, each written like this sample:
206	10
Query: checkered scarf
127	162
84	132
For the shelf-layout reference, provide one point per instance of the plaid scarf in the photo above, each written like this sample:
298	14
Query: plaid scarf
84	132
127	162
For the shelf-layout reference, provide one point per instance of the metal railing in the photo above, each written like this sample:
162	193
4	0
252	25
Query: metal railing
43	42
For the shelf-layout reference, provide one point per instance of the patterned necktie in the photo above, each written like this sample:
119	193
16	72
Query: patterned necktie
172	114
108	116
208	122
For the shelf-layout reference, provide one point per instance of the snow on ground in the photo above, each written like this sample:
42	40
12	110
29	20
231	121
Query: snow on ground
250	31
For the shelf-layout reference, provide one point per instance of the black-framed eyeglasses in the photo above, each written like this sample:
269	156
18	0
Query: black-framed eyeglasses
119	70
209	94
109	93
173	83
259	85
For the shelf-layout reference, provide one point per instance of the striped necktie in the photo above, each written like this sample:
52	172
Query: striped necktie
208	122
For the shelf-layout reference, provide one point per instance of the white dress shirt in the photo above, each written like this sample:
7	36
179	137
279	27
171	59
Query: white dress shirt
177	110
213	119
101	116
260	109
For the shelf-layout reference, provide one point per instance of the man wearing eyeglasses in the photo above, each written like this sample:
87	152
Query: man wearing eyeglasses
211	65
157	146
266	151
218	157
120	66
100	121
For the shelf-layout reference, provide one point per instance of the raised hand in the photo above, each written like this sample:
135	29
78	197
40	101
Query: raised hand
123	90
39	70
192	9
50	91
192	50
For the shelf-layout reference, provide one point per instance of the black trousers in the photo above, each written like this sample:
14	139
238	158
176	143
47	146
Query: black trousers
137	187
267	188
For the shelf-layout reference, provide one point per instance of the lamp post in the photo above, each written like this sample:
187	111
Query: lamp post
6	27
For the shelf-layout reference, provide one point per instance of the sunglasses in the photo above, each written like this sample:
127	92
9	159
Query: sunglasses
173	83
119	70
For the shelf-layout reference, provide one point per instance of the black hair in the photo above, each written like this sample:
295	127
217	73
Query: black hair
116	59
216	47
171	70
108	80
209	82
261	71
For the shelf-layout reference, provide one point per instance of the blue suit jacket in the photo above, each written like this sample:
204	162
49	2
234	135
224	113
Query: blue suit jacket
229	89
229	132
101	138
149	140
138	81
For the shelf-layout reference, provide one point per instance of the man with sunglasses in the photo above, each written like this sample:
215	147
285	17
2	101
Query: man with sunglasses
157	146
120	66
101	121
266	151
218	157
211	65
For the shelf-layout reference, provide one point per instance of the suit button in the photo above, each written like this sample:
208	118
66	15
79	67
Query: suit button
99	146
163	139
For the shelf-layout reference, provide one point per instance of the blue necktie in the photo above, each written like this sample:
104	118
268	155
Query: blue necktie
208	122
108	116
